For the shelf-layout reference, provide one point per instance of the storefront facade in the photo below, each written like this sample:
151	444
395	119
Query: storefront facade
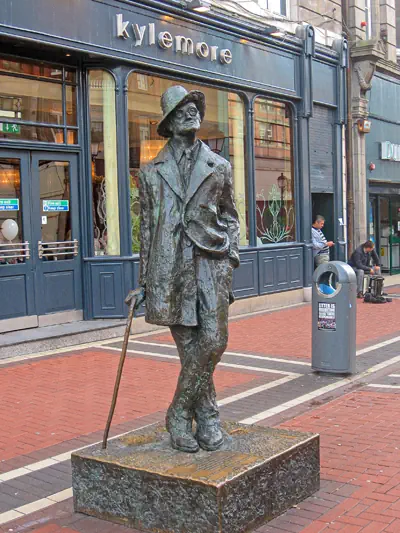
80	84
383	168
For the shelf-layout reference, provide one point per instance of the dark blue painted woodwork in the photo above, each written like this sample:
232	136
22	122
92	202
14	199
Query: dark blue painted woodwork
382	131
245	278
322	146
109	293
324	83
91	26
384	99
13	290
59	291
59	281
280	269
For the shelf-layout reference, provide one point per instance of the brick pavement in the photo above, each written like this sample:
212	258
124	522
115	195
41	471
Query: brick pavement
67	396
287	332
360	461
49	401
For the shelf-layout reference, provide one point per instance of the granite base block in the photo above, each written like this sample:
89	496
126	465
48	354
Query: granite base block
141	482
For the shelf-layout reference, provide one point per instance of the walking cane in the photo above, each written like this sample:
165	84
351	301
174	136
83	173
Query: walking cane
130	300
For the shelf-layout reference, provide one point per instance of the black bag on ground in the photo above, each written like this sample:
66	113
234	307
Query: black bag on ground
375	294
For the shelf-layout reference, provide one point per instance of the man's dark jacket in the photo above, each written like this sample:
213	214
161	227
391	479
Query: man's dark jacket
174	222
361	260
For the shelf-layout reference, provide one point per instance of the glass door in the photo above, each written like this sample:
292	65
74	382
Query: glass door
384	232
394	235
373	234
55	212
40	268
17	308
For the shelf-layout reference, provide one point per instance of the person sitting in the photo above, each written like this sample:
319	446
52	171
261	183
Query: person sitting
320	244
360	260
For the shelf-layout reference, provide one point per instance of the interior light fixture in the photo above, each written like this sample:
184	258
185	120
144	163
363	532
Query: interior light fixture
273	31
278	33
200	6
269	30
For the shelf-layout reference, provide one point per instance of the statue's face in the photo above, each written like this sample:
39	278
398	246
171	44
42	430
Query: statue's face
185	119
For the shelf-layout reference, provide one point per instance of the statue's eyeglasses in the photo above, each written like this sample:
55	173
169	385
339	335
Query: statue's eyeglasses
192	111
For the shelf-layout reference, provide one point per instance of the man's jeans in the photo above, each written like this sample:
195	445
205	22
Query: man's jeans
360	279
319	259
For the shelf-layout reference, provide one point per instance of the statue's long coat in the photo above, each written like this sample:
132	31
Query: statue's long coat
173	223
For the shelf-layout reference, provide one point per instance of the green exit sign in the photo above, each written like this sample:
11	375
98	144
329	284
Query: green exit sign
10	128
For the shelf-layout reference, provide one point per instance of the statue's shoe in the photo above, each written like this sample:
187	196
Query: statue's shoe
209	435
180	430
184	443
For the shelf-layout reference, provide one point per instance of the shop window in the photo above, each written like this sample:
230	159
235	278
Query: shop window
37	102
273	145
103	139
223	129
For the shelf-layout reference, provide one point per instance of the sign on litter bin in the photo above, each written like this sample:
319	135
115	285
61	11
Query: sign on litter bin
327	316
334	318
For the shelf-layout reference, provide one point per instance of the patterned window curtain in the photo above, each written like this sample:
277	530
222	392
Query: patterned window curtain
104	163
275	208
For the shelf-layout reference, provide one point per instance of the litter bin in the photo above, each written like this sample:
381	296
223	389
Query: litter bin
334	318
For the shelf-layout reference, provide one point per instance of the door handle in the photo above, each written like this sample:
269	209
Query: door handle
57	248
15	250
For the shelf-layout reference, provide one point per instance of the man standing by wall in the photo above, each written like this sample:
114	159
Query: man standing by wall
320	244
361	263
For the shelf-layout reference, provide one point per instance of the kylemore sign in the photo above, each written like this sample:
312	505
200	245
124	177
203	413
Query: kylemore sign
180	44
390	151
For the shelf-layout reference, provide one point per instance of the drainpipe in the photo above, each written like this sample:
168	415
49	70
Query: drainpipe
349	141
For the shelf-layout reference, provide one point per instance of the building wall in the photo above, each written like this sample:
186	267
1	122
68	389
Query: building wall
325	14
372	51
397	24
285	76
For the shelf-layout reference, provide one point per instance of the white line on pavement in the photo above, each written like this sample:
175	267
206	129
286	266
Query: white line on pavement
57	351
30	508
256	390
268	358
28	469
231	365
378	386
319	392
394	375
34	467
377	346
237	354
74	347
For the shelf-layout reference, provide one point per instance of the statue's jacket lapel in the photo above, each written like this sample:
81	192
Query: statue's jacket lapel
178	221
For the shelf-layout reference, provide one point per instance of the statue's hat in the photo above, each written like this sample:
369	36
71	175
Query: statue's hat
174	97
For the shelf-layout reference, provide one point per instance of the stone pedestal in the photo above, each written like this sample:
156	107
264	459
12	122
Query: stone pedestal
141	482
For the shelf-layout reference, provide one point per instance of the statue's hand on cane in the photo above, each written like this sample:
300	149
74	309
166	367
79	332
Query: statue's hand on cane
139	295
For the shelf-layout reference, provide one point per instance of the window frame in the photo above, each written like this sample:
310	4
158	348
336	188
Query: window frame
248	98
63	83
293	106
244	96
283	7
368	18
88	145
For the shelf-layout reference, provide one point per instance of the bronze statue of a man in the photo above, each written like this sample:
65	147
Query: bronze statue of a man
189	248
